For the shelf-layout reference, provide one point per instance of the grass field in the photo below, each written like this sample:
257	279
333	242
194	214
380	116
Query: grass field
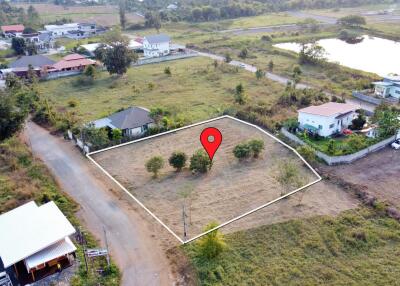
24	178
102	15
195	90
228	190
359	247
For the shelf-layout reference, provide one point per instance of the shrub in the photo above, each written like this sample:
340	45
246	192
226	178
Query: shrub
266	38
307	152
167	71
242	151
200	162
154	165
178	160
116	134
211	244
73	103
358	123
256	146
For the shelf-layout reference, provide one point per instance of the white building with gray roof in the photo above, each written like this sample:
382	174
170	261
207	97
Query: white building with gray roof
133	121
156	45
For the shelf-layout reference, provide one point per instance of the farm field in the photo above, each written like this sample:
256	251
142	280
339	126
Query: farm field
195	90
357	247
101	15
228	190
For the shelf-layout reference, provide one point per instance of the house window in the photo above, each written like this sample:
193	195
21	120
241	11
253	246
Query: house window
331	126
320	127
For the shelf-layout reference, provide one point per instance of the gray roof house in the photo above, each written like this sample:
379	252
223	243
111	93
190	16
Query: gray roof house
156	45
36	61
133	121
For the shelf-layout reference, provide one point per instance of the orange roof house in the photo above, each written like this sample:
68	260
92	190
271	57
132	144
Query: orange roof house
12	28
72	62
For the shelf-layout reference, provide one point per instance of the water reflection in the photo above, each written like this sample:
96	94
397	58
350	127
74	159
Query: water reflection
371	54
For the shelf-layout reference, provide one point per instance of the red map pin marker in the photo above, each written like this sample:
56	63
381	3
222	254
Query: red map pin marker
211	138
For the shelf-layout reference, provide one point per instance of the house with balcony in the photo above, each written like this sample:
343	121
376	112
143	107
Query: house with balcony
327	119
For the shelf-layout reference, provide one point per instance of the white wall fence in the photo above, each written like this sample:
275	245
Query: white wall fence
344	159
85	148
146	61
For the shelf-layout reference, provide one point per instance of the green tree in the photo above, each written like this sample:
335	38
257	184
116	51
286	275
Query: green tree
157	114
122	16
18	45
271	66
98	137
154	164
388	121
356	142
212	244
12	115
256	147
152	20
228	58
33	16
260	74
178	160
240	95
359	121
90	72
311	53
200	162
242	151
243	53
352	21
118	58
167	70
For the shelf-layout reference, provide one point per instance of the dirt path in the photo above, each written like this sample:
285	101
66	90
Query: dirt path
133	244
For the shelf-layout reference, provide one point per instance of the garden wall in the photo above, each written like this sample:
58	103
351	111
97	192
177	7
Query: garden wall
345	159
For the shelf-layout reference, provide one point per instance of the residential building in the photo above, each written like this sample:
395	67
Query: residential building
388	87
21	66
327	119
59	31
89	29
42	40
12	31
73	62
156	45
35	241
133	121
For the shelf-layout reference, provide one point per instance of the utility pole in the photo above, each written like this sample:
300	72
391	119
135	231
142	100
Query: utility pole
184	222
108	255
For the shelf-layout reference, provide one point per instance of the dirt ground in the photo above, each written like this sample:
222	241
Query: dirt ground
101	15
379	172
228	190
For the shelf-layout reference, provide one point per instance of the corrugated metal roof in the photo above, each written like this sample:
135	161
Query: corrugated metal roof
329	109
29	229
13	28
35	61
58	249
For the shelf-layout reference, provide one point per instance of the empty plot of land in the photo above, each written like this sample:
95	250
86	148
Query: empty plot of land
229	189
101	15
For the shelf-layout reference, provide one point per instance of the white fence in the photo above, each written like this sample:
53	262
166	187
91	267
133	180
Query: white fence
146	61
85	148
55	75
345	159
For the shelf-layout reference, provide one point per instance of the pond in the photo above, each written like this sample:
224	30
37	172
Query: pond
372	54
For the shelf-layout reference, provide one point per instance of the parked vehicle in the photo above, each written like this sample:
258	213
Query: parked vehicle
242	65
396	144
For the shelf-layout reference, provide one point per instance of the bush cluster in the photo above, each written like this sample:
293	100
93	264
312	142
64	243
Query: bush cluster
245	150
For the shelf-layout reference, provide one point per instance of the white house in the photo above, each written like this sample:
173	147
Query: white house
35	240
156	45
327	119
389	87
133	121
59	31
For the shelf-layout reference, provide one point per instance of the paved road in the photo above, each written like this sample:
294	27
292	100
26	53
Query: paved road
135	251
284	80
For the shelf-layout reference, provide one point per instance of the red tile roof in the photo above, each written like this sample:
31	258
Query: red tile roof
13	28
66	64
73	57
329	109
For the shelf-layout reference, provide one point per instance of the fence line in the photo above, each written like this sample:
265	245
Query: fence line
344	159
145	61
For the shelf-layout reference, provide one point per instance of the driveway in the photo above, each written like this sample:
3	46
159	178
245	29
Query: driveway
133	246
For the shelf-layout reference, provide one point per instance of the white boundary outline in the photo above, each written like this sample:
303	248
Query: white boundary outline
193	125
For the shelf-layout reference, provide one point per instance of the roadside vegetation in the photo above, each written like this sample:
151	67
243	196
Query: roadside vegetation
24	178
357	247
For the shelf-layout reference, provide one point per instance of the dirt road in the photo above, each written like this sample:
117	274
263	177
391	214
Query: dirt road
132	244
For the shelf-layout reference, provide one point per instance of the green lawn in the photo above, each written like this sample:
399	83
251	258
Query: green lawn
359	247
195	90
